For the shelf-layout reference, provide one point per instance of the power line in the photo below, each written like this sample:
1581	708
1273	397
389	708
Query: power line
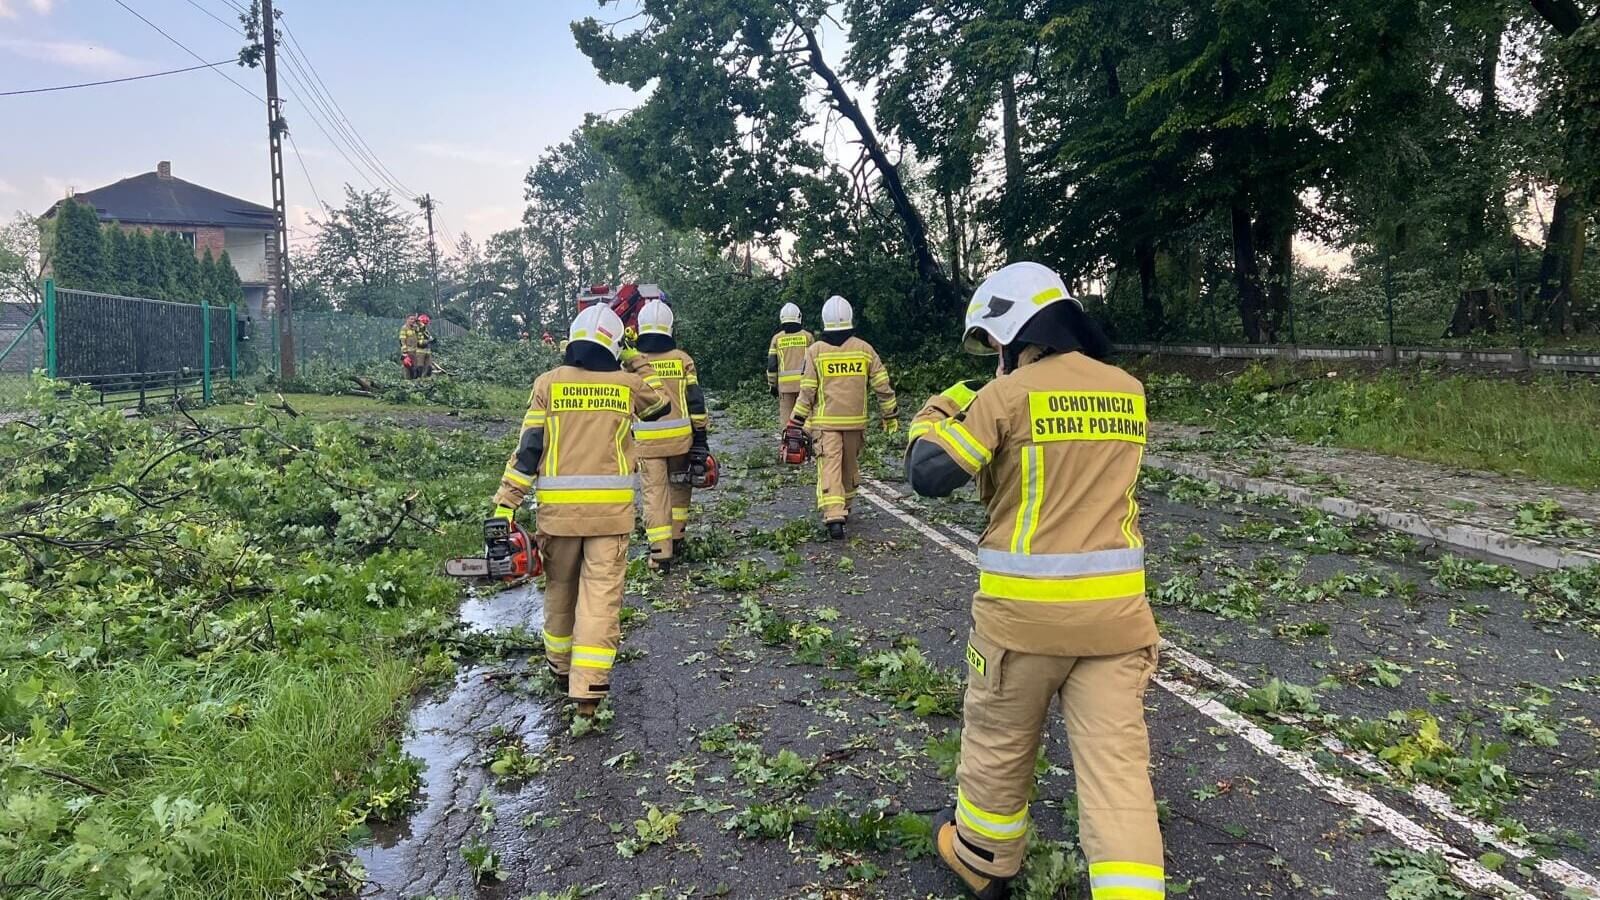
218	19
85	84
324	119
307	172
297	54
186	49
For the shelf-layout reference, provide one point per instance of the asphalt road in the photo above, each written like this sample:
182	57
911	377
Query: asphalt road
757	648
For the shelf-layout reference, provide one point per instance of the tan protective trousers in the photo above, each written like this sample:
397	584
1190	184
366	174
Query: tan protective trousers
665	493
838	472
582	609
1102	700
786	404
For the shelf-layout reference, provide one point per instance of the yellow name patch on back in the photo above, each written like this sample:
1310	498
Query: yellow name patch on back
668	368
791	341
591	398
976	660
1086	416
839	368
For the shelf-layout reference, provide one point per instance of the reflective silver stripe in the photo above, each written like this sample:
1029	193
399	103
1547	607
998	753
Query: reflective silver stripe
584	482
1105	882
661	425
1094	562
958	435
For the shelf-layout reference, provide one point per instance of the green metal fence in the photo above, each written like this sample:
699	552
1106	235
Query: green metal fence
343	340
128	350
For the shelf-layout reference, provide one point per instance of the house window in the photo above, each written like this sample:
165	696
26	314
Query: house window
188	238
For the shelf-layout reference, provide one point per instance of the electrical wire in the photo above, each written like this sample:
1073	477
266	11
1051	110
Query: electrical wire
297	52
186	49
87	84
305	171
218	19
295	82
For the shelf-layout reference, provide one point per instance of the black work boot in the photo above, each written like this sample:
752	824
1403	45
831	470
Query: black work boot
835	531
981	885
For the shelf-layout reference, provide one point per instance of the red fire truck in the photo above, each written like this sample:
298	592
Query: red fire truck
626	301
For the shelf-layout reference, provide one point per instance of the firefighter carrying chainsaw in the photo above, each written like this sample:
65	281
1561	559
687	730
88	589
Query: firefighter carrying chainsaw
1055	444
674	456
576	455
831	410
786	361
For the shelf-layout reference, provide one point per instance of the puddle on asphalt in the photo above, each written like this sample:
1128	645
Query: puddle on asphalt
422	856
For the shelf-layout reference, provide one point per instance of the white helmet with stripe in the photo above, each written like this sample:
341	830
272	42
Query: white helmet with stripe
1007	301
789	315
837	314
598	325
655	318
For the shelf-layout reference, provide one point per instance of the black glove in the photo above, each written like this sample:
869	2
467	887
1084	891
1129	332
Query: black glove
699	452
773	388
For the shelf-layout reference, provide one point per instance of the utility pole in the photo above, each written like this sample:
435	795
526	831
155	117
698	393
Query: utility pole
275	129
427	204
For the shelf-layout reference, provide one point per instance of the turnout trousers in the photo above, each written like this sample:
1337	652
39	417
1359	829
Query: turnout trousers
786	403
582	609
1102	701
665	495
838	472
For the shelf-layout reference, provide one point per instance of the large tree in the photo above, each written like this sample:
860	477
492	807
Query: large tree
728	140
369	256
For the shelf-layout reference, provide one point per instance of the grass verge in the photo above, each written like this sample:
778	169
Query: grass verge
209	628
1543	427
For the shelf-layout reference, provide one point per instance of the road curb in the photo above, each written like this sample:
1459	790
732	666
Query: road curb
1479	541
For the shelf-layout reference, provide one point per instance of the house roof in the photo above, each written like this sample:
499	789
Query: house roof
155	199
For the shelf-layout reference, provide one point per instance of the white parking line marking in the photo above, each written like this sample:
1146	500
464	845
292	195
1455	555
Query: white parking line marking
1407	831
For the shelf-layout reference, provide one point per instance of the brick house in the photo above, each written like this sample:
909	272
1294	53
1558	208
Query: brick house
206	219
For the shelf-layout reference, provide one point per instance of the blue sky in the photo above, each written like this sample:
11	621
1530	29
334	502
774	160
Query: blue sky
456	99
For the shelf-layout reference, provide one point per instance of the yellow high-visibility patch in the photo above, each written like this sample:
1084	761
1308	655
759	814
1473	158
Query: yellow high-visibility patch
614	398
1086	416
668	368
840	368
793	341
976	660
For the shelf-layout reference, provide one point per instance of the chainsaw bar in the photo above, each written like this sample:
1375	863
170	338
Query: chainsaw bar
467	567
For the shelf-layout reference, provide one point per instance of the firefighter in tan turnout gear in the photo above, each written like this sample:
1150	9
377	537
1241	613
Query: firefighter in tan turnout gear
674	448
1055	444
840	368
786	361
576	454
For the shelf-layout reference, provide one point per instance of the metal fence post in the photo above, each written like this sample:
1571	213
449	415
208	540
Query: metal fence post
205	352
50	360
233	342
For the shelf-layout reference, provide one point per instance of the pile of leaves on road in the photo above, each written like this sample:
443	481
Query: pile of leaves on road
205	624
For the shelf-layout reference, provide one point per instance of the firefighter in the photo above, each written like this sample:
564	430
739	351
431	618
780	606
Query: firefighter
424	347
576	455
408	347
1055	444
832	405
672	449
786	360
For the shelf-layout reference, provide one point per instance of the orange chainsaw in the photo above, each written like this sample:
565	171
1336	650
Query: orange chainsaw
796	448
703	477
509	554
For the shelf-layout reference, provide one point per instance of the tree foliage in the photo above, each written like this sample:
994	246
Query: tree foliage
1176	159
136	262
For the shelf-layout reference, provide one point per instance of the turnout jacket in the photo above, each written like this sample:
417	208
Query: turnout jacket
577	445
673	433
408	339
786	360
1055	447
833	388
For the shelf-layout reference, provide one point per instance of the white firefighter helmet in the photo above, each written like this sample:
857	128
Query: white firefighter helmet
1007	301
598	325
837	314
789	315
655	318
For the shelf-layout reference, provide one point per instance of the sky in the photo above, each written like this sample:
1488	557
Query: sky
455	99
